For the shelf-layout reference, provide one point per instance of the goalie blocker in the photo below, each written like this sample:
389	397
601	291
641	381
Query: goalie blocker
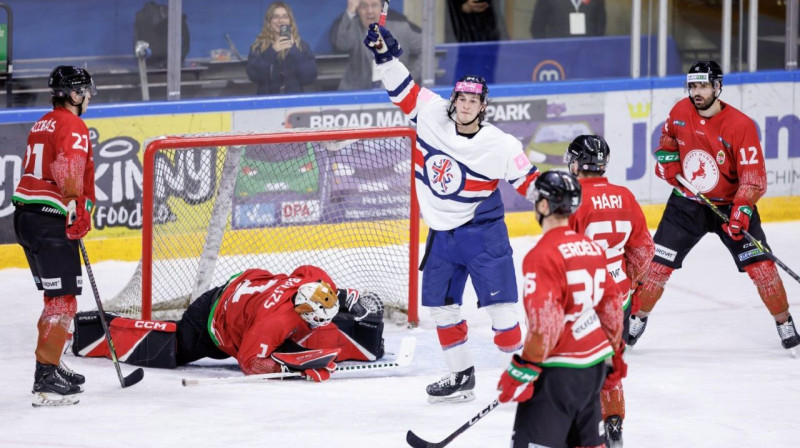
153	343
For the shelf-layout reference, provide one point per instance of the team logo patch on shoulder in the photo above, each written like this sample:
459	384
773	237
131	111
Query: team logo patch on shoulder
679	123
720	157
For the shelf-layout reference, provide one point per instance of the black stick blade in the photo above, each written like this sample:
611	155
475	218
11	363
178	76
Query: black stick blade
416	442
135	376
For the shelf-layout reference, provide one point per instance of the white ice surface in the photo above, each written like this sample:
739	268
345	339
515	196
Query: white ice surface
709	372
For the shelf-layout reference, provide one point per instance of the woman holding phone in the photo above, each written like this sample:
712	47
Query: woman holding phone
279	61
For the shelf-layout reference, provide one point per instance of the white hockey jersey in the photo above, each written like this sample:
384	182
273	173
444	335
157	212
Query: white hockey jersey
456	176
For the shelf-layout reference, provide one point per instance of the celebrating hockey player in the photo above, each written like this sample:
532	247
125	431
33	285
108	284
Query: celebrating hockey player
269	322
458	162
574	314
715	147
610	215
57	189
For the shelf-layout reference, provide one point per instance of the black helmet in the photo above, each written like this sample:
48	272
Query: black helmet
470	84
66	78
590	151
705	71
560	189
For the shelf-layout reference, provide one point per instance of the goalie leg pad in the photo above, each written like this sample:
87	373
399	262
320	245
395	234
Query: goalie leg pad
770	287
53	327
653	287
143	343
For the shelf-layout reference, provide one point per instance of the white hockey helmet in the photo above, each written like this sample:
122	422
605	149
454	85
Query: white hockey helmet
316	302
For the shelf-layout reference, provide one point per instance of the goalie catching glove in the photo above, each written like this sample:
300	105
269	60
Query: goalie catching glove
79	218
361	306
382	44
314	365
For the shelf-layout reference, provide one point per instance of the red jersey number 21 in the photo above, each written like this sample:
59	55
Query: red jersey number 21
34	155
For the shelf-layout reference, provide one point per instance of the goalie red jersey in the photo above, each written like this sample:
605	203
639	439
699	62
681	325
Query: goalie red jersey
610	216
255	313
718	153
58	162
573	306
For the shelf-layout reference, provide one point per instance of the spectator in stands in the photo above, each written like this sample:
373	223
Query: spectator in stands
347	36
474	21
568	18
279	61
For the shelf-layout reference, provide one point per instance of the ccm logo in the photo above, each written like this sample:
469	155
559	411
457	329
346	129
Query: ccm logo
150	325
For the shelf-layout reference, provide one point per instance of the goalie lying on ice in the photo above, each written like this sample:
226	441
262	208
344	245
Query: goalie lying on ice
268	322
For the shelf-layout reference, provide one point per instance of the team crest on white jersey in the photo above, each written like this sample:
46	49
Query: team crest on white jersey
701	170
444	174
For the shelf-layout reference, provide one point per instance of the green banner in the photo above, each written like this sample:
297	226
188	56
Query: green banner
3	47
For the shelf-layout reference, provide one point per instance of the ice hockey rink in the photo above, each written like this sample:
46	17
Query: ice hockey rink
709	372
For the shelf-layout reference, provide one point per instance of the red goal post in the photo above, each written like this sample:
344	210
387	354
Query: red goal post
216	204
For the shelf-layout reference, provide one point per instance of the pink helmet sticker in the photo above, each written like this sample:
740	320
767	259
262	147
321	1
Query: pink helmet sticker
469	87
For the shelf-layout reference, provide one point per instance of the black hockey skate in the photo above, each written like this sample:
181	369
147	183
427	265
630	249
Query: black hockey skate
70	375
453	387
52	389
613	431
637	326
788	334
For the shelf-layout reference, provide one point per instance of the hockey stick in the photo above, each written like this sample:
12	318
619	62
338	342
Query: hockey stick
382	20
136	375
747	235
404	357
384	11
417	442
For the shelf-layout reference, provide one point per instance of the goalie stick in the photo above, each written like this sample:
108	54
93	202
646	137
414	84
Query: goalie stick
415	441
724	218
404	357
136	375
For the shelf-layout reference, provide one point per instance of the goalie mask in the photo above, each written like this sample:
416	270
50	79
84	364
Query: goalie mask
591	152
470	84
316	303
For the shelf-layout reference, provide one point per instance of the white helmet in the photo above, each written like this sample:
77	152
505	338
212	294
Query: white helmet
316	303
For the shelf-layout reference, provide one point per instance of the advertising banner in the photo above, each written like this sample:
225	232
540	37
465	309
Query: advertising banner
118	150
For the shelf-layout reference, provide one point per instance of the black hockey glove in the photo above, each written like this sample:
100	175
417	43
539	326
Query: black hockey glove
361	306
382	44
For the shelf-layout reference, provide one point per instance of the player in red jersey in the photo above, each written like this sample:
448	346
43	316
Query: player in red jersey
57	188
254	315
574	314
716	148
269	322
610	215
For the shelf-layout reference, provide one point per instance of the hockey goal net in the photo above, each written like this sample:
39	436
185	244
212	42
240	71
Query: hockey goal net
214	205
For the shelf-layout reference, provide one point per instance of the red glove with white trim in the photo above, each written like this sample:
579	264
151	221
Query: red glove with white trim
79	218
315	365
516	383
618	371
739	222
668	160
